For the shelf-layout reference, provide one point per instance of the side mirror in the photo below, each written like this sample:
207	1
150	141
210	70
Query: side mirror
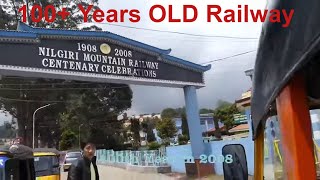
237	167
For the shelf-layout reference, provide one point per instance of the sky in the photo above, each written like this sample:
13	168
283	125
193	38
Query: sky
226	80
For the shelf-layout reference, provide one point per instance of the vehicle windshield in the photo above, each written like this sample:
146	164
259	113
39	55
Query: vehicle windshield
44	163
73	155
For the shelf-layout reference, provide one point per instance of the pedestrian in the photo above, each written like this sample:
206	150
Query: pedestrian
85	168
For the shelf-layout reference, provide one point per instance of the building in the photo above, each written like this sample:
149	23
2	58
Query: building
206	122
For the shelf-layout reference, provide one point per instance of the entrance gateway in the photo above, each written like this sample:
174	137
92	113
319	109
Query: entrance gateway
102	57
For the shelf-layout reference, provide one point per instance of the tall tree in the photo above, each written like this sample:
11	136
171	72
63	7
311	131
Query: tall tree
166	130
135	129
147	126
225	115
184	125
169	113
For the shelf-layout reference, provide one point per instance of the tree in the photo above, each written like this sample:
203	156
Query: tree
169	113
150	135
166	130
182	139
135	129
217	132
98	105
7	21
222	104
147	127
68	140
7	131
184	125
225	115
205	111
180	111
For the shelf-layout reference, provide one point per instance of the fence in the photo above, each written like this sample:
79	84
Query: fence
137	158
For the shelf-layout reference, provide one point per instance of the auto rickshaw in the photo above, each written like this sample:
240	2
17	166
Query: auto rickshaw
286	84
47	165
4	156
16	163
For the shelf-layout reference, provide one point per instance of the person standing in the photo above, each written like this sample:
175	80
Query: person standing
85	168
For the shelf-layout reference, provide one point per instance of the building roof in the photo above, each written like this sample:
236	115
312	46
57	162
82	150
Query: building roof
222	128
239	128
245	99
27	32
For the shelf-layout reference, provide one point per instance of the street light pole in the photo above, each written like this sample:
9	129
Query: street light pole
80	136
33	121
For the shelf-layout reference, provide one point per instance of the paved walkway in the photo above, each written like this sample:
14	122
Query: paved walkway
113	173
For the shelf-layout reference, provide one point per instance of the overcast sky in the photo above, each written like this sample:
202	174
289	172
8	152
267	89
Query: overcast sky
226	80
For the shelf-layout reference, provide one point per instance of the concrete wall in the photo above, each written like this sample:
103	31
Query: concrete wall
177	154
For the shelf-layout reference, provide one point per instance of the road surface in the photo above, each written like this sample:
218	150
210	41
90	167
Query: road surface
113	173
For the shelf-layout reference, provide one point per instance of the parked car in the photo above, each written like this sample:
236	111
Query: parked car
70	158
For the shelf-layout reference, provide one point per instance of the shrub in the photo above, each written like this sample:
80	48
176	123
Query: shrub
183	139
154	146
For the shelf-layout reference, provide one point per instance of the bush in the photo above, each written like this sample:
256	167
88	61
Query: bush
68	140
183	139
154	146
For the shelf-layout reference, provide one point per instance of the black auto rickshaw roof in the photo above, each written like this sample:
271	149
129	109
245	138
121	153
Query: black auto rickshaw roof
282	53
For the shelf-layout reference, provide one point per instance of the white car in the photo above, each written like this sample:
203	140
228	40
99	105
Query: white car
70	158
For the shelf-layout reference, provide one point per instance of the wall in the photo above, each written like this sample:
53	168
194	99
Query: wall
177	154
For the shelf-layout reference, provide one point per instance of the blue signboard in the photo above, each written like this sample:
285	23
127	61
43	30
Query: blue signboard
3	160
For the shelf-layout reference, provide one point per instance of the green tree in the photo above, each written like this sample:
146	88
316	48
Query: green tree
154	146
182	139
147	127
7	131
166	129
225	115
169	113
150	135
205	111
180	111
68	140
135	129
184	125
98	105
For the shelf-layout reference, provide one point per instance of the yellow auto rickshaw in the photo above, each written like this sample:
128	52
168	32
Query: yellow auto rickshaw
17	163
46	163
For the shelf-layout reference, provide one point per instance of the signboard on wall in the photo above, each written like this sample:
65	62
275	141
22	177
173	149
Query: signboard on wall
93	57
240	118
